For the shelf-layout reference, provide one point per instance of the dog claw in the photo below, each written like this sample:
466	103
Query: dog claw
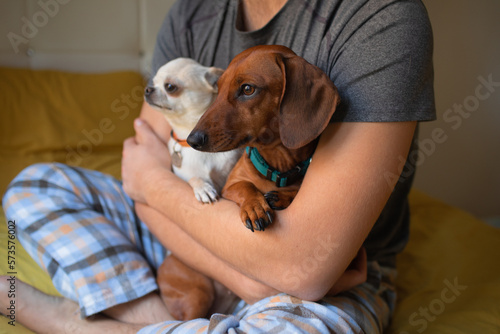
203	191
257	216
257	225
260	224
265	224
269	217
271	196
249	224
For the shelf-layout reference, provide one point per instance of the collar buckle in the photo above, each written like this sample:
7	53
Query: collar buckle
289	177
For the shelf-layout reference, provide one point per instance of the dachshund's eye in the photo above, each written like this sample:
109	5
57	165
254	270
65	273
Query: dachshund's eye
170	88
248	89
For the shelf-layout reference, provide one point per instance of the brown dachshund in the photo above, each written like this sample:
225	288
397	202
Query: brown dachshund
187	293
277	104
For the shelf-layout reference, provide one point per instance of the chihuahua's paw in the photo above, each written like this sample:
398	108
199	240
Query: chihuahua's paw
256	214
203	190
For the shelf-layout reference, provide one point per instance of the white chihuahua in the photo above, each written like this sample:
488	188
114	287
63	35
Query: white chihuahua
182	90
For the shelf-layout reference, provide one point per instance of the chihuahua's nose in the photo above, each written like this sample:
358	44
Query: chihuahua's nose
197	140
149	90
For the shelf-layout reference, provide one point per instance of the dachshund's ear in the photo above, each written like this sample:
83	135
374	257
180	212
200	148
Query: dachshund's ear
212	76
308	101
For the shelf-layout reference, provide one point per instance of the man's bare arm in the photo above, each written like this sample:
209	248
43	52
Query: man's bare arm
157	121
341	197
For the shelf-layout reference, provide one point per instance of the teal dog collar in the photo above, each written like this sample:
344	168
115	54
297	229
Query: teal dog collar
282	179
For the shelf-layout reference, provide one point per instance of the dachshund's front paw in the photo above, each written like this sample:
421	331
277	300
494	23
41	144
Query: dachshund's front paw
256	214
279	201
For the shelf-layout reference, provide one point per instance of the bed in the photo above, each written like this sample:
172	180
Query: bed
449	274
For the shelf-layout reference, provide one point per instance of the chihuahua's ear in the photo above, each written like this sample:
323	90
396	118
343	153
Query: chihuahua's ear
308	101
212	76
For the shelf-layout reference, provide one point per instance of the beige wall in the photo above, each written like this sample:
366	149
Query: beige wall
80	35
463	169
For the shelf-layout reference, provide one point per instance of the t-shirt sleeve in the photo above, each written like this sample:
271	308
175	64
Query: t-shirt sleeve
383	68
167	41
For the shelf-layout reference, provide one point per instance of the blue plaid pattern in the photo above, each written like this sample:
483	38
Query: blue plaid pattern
364	309
81	227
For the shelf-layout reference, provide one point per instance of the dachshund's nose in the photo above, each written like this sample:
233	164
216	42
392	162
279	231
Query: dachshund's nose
149	90
197	140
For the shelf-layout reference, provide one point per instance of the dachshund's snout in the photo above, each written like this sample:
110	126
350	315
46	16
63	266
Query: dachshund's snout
198	140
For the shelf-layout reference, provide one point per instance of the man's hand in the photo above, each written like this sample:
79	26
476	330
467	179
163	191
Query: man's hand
145	157
354	275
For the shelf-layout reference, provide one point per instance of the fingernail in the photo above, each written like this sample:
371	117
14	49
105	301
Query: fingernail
138	121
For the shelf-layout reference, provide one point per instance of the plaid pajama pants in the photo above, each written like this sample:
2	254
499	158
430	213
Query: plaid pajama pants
81	227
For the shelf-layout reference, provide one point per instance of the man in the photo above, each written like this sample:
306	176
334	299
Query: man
379	55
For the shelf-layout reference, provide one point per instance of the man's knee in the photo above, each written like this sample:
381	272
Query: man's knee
29	178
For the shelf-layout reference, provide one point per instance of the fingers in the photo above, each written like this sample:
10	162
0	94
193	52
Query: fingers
143	131
126	144
129	141
359	263
354	275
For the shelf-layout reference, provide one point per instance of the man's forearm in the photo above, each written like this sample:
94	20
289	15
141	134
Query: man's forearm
311	243
278	257
196	256
259	256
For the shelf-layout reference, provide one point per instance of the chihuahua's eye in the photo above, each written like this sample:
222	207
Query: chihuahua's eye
170	88
247	89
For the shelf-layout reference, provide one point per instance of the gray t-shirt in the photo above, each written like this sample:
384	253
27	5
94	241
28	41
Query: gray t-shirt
377	52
